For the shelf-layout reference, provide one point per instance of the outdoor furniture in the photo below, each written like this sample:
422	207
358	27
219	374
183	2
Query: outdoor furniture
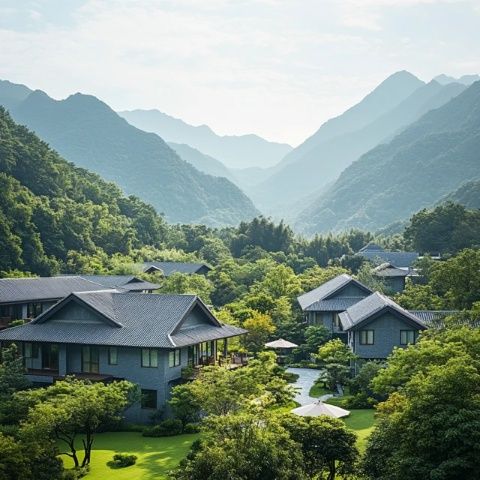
319	408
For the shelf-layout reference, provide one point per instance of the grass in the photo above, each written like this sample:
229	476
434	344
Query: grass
361	421
318	390
156	456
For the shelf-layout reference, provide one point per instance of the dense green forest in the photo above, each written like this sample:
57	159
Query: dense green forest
86	131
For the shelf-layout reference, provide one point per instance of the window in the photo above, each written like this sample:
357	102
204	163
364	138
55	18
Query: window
149	358
90	359
34	310
407	336
336	322
50	356
30	352
112	356
174	358
149	398
366	337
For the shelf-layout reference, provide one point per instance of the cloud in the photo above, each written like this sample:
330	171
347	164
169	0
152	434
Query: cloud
240	66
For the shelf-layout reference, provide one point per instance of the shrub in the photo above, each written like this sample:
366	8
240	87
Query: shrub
122	460
167	428
360	400
191	428
74	473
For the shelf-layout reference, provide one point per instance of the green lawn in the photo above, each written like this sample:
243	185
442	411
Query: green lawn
361	421
156	456
318	390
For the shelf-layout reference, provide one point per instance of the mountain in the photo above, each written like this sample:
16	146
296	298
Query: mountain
52	212
467	195
11	94
429	159
202	162
464	80
88	132
235	151
324	163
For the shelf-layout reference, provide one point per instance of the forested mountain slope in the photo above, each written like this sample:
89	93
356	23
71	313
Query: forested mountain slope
89	133
428	160
49	208
236	151
324	163
467	195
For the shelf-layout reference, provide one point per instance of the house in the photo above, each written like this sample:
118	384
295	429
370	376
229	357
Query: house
391	276
377	255
167	268
128	283
26	298
107	335
376	325
323	305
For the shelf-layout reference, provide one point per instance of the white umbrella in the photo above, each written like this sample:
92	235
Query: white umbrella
281	343
319	408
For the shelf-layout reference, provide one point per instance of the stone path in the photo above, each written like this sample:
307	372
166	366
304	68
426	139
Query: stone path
306	379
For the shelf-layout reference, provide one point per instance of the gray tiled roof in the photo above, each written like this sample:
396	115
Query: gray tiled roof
399	259
333	305
327	289
374	247
430	316
372	305
172	267
133	320
388	270
43	288
126	282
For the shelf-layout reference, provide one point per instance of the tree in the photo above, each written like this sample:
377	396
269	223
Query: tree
335	356
419	297
183	283
327	445
12	379
73	407
243	446
457	279
434	425
446	229
260	327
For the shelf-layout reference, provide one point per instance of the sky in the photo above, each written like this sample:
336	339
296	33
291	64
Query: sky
277	68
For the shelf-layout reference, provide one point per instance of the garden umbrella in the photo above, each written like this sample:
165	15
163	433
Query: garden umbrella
319	408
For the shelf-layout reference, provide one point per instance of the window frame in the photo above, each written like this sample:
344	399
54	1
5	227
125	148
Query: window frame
407	342
91	360
174	358
366	341
144	392
110	359
152	354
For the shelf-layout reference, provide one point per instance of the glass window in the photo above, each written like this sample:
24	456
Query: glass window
149	357
366	337
407	336
50	356
90	359
30	352
34	310
174	359
149	398
112	356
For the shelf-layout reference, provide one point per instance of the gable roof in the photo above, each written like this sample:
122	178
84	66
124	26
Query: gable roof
126	282
17	290
372	247
388	270
173	267
130	320
329	288
333	304
398	259
369	307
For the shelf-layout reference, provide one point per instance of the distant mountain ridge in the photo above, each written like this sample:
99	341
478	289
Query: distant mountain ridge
89	133
234	151
331	154
428	160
